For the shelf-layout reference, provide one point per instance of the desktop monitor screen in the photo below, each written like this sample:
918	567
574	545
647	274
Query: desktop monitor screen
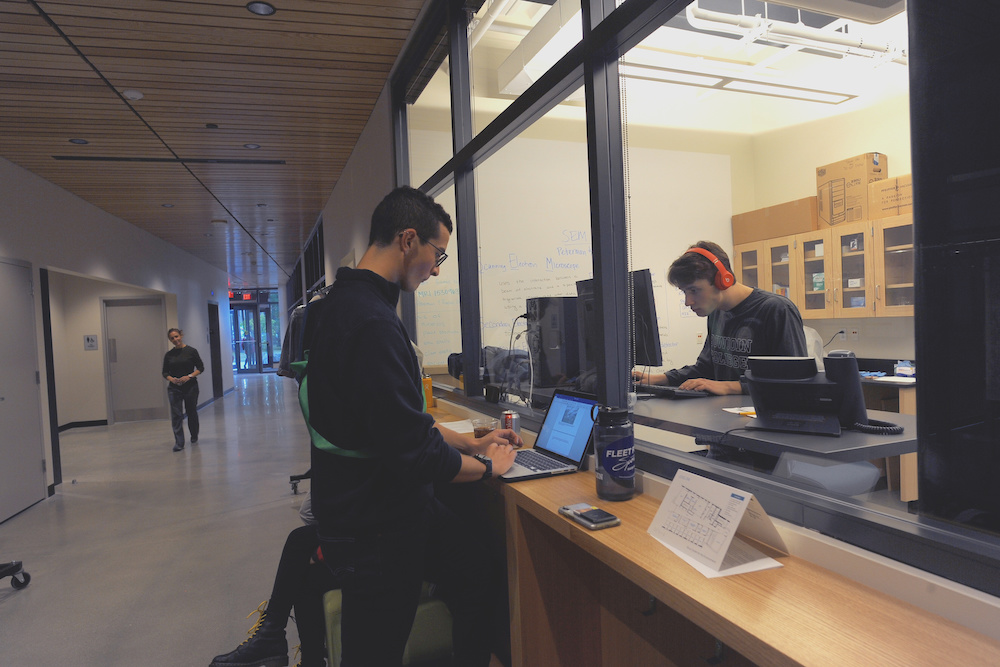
645	328
552	338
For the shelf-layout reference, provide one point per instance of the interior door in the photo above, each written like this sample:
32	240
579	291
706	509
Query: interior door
135	330
215	349
22	454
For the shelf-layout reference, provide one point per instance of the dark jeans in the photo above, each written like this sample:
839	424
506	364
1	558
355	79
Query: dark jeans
183	399
381	576
301	585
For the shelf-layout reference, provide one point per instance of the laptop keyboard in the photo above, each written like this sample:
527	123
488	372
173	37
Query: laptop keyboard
532	460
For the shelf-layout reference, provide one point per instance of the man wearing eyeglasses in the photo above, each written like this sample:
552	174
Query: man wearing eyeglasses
382	532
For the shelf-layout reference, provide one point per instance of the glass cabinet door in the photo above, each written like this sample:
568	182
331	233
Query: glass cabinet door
748	264
815	274
894	237
779	255
854	292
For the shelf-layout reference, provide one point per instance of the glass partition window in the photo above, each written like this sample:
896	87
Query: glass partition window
533	214
439	315
513	43
428	114
721	120
730	107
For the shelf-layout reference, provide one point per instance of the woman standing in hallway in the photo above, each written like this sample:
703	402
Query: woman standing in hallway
181	367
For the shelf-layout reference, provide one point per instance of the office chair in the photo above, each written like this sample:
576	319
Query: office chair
18	577
814	346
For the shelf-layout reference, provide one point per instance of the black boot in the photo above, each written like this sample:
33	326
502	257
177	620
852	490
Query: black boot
266	646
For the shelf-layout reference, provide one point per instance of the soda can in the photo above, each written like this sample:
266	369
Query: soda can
510	419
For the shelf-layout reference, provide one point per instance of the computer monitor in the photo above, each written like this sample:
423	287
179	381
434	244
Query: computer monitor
553	339
645	328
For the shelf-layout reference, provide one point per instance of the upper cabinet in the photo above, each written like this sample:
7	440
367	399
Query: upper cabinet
854	289
894	265
815	273
860	269
780	258
749	264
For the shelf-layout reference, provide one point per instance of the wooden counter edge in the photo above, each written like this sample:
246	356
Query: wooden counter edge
797	614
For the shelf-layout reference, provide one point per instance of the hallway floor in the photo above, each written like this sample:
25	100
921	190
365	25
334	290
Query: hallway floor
146	557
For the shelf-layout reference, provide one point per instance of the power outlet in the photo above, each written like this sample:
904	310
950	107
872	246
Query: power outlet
699	338
854	335
842	335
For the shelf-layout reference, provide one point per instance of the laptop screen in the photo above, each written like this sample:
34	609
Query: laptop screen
567	426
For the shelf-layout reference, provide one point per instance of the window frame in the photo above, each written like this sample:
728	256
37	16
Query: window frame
962	555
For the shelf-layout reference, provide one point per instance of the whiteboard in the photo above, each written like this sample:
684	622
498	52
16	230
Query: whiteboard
533	212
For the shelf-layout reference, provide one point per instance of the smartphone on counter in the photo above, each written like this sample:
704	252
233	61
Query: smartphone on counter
587	515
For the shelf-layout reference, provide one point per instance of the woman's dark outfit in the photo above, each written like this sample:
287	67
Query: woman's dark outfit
178	362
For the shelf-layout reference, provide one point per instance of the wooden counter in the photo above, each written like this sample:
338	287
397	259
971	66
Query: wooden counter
619	597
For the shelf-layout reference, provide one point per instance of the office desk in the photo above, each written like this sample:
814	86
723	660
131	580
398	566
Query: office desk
618	597
705	416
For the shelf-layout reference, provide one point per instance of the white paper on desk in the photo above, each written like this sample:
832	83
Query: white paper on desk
461	426
699	519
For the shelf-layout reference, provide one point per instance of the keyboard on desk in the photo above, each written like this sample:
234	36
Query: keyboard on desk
663	391
532	460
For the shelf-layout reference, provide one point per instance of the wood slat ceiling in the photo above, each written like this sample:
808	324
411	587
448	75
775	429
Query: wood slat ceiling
300	84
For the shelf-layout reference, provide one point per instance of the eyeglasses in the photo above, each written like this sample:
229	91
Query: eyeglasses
441	254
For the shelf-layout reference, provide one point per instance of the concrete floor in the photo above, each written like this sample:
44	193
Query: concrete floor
146	557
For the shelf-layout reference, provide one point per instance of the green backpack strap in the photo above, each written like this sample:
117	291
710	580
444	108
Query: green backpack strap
317	440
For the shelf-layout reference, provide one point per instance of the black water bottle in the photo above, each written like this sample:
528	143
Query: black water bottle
615	448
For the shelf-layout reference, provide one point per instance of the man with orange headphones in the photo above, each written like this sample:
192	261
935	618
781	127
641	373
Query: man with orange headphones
742	322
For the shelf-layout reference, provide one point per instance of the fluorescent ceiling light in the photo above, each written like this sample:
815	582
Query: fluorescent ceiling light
670	76
555	34
787	91
722	81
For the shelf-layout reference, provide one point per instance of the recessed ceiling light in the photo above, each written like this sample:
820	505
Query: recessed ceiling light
81	142
167	205
220	223
132	94
261	8
252	147
261	205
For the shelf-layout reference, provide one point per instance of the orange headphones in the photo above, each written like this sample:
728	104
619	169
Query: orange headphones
723	278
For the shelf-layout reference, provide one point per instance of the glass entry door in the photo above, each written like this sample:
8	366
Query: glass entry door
268	339
246	351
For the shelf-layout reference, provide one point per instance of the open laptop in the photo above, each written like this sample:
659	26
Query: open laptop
562	441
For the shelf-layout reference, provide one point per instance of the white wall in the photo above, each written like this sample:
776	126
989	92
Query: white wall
50	228
368	177
785	161
75	307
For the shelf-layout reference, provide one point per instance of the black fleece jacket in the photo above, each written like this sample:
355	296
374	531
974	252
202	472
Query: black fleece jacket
365	393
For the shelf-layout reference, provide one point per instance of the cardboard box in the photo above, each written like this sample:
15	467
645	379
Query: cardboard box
791	217
842	187
893	196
